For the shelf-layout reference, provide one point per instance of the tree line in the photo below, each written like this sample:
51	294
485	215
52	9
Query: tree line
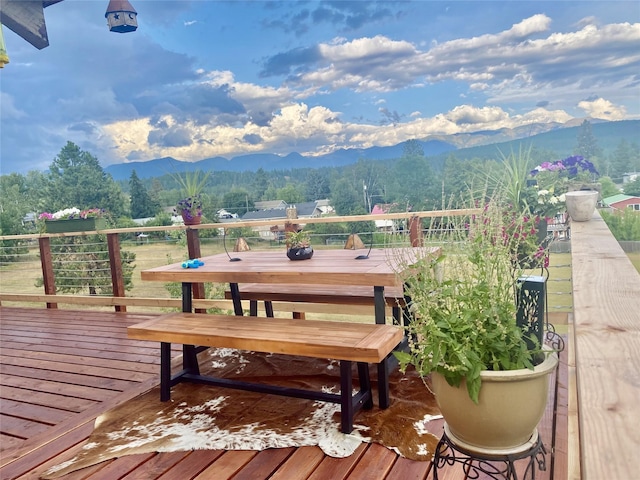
411	182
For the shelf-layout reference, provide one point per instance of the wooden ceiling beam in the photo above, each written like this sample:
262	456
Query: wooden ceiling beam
26	19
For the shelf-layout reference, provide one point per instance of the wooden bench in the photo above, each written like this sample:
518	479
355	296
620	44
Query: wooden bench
346	342
308	293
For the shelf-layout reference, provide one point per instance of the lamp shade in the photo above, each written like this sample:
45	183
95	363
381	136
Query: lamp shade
121	16
4	58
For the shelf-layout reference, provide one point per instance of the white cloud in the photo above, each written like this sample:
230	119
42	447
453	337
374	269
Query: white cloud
603	109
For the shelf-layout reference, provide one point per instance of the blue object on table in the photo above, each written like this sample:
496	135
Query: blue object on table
195	263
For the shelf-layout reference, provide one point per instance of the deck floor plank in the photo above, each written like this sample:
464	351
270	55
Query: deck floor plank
79	363
191	465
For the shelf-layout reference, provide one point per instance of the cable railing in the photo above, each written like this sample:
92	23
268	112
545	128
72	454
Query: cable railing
74	270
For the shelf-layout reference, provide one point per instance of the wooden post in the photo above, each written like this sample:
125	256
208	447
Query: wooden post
415	232
115	262
193	247
48	277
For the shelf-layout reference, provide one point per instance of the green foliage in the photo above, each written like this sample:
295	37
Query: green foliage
76	179
317	185
290	194
608	188
587	144
624	225
192	183
300	238
463	303
140	203
238	201
632	188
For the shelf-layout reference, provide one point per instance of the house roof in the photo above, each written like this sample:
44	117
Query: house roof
272	213
621	197
270	204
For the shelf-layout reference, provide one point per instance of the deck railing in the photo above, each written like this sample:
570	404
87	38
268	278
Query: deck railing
604	356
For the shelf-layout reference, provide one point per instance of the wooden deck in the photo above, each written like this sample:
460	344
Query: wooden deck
60	369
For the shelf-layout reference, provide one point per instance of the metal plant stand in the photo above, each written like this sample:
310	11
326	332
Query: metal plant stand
493	466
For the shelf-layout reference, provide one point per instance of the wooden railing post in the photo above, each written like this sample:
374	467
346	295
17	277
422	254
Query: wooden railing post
193	248
48	277
415	232
115	263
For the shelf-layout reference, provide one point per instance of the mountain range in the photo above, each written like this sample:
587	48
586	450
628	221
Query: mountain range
558	138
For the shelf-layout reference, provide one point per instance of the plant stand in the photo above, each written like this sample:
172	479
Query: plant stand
486	464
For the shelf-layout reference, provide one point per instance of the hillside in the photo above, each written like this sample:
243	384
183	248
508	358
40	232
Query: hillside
560	140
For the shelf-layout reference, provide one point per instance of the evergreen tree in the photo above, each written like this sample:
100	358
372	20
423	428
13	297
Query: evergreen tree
260	184
587	144
623	159
76	179
317	185
141	204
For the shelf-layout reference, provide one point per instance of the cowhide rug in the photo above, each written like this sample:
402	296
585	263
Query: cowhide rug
207	417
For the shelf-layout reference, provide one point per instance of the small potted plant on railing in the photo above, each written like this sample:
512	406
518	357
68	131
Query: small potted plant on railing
74	220
299	245
190	206
488	372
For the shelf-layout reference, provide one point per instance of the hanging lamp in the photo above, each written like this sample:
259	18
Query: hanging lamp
121	16
4	58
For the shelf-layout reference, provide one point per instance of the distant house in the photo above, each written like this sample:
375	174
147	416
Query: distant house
280	215
621	201
630	177
384	225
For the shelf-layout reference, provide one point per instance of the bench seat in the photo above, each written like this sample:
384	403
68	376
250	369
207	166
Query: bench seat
346	342
308	293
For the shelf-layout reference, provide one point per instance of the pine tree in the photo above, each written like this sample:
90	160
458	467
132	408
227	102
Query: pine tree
587	143
142	206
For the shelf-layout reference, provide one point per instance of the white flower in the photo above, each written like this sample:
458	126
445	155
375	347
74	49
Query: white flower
543	192
66	212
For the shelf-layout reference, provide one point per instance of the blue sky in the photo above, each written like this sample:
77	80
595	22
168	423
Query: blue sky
200	79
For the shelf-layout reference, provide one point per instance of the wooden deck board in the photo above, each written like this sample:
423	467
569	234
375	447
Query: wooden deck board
45	383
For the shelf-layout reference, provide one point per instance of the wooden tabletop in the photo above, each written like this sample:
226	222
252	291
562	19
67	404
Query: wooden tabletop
333	267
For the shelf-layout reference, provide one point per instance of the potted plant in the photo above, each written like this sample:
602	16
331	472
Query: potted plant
528	208
488	373
575	177
74	220
299	245
190	206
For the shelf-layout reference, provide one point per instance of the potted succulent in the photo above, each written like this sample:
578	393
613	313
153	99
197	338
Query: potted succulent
299	245
190	206
489	374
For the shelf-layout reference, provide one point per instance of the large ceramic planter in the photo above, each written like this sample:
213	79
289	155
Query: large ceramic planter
511	404
581	204
74	225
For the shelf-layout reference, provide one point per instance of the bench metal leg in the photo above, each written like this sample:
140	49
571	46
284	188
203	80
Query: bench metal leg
346	400
268	307
383	384
189	359
253	308
165	371
365	384
235	296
